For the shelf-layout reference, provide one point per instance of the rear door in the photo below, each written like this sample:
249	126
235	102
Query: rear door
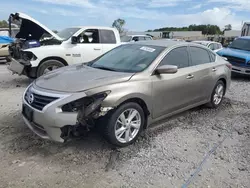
172	92
108	40
203	66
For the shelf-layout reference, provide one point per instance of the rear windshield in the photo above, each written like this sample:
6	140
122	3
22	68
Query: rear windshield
128	58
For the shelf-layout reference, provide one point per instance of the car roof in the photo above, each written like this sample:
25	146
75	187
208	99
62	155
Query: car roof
138	35
163	43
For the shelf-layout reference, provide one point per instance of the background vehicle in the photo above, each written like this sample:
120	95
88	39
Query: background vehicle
125	90
5	39
215	46
40	50
134	38
238	54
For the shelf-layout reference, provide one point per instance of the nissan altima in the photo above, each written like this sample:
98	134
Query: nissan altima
125	90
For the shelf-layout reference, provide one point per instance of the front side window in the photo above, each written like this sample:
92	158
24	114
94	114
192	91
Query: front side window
89	36
177	57
240	44
199	56
148	38
107	36
128	58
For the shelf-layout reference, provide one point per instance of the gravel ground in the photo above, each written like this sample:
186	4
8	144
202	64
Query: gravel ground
200	148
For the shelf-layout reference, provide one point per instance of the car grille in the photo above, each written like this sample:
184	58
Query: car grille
235	60
38	101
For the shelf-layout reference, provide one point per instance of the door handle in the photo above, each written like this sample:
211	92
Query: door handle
214	69
190	76
97	48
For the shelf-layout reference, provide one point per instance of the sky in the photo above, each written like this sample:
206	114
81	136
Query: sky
140	15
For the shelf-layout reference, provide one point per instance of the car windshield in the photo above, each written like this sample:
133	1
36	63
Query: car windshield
126	38
67	33
128	58
241	44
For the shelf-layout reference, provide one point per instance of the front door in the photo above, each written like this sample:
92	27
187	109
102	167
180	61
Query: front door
88	46
172	92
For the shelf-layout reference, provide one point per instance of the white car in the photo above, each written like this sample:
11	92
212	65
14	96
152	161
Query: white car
215	46
134	38
42	50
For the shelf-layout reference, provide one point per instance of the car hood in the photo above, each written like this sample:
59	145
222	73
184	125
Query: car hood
79	78
30	28
234	52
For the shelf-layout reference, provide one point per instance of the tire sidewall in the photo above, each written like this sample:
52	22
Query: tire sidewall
110	129
47	63
212	104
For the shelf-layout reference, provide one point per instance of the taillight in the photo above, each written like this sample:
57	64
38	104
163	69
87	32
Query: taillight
229	65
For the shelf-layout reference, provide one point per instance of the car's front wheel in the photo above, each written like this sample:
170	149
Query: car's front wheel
217	95
125	124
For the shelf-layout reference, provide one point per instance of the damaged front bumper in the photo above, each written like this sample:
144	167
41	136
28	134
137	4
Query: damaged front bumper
17	67
51	122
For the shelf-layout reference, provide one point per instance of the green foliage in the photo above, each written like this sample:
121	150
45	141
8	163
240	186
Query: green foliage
4	24
118	24
228	27
205	29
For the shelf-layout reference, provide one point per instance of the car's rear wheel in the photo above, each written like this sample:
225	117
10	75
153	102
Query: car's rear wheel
124	124
48	66
217	95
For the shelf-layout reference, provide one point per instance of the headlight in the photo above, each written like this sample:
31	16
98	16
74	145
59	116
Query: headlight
89	103
28	56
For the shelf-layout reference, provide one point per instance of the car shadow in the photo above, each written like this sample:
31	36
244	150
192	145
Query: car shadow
18	140
240	77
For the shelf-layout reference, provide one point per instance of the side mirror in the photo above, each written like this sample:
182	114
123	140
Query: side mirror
166	69
74	40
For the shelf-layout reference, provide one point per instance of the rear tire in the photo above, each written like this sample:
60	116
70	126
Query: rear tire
48	66
124	125
217	95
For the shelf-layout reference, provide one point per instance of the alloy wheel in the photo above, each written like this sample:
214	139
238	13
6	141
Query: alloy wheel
127	125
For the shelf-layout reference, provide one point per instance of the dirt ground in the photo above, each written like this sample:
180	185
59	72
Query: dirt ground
199	148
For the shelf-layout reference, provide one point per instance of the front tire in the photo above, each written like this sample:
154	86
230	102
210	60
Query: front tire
125	124
48	66
217	95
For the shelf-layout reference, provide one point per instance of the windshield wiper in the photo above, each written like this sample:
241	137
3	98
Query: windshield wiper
104	68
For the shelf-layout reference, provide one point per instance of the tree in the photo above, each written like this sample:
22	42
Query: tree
205	29
228	27
118	24
55	31
4	24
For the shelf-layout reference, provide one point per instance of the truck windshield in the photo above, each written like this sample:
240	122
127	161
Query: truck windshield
67	33
240	44
128	58
126	38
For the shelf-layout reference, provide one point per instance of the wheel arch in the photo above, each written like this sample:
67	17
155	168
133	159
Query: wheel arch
54	58
140	102
224	80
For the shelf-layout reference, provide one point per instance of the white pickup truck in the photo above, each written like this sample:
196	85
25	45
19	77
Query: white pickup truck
38	49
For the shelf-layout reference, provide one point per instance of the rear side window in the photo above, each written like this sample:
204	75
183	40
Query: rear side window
178	57
199	56
212	56
107	36
141	38
148	38
212	46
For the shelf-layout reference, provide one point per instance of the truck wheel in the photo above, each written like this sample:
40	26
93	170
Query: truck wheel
124	125
48	66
